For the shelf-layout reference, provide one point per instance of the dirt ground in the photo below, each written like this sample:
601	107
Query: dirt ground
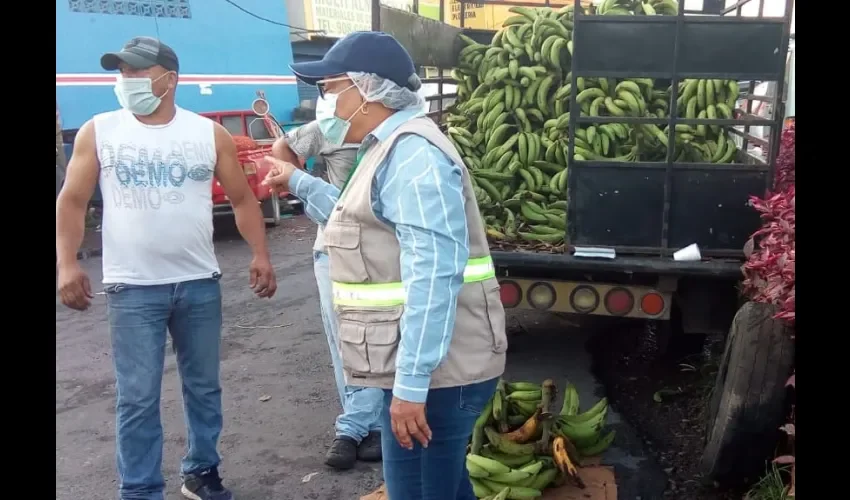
672	429
273	448
275	348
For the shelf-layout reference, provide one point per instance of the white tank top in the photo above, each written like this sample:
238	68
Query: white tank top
156	182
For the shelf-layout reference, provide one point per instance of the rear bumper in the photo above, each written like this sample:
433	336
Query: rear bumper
715	268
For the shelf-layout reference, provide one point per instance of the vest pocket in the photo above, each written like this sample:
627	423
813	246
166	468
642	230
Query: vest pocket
342	242
368	341
352	347
496	316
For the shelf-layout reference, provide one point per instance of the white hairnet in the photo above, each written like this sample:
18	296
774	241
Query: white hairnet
374	88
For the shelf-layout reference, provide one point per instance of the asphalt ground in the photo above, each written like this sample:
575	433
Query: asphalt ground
279	398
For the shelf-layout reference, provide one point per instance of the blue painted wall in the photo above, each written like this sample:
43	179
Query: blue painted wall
219	39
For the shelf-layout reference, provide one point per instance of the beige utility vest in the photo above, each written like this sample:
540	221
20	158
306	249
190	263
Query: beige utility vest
369	296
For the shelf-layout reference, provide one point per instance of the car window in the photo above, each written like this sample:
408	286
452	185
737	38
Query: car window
257	128
233	124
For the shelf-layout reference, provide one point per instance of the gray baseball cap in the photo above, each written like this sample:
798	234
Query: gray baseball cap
142	52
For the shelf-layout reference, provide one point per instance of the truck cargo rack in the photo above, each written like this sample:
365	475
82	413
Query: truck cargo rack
655	208
618	204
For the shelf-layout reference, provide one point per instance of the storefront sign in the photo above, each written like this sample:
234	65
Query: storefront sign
338	18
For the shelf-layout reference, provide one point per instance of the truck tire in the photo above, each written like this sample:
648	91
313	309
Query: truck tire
748	404
271	210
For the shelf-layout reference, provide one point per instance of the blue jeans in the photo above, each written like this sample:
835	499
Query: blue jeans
439	471
139	317
361	407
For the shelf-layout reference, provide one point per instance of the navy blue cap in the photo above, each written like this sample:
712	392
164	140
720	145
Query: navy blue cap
363	52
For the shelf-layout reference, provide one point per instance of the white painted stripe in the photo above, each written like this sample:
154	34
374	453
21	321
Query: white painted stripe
108	79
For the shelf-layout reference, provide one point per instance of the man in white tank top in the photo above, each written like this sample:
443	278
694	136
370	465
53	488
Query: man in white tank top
358	428
155	163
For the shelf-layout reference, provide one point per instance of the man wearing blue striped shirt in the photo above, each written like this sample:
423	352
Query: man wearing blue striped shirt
415	292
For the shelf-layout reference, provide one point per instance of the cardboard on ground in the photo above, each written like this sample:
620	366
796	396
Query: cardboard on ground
599	481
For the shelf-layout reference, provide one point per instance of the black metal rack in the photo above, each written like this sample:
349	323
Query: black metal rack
656	208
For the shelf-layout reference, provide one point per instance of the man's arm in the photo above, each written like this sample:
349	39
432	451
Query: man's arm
246	209
71	205
421	193
318	196
228	170
300	144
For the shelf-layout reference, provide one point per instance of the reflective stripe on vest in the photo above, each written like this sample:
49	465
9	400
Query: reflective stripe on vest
393	294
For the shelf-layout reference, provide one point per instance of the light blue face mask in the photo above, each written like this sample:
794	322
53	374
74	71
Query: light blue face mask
136	95
333	127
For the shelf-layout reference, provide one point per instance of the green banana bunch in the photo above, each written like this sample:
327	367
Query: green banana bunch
638	7
584	430
706	99
514	462
490	477
510	124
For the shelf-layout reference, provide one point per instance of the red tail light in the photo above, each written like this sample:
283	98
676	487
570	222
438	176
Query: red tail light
619	301
510	293
652	304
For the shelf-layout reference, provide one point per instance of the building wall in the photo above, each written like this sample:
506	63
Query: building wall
226	55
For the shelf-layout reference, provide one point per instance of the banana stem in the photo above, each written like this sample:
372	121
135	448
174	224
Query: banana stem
503	417
548	390
543	446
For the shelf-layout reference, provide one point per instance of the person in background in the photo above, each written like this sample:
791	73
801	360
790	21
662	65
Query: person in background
414	286
358	428
155	163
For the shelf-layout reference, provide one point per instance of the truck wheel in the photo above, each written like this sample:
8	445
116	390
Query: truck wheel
747	406
271	210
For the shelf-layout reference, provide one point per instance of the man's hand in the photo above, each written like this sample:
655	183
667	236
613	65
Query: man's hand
279	173
408	421
74	287
263	281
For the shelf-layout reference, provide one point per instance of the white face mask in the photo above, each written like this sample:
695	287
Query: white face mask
136	95
333	127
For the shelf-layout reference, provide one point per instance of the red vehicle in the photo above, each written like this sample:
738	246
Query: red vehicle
258	127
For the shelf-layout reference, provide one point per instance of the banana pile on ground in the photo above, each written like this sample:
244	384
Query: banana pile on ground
518	448
511	119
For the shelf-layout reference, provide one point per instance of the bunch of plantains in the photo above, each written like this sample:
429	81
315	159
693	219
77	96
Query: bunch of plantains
518	448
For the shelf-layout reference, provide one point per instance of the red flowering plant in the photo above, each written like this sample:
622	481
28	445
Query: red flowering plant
770	269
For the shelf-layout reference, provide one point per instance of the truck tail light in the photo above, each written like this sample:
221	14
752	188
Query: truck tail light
541	296
510	293
619	301
584	299
652	304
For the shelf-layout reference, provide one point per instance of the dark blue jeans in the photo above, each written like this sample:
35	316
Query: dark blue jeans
139	319
439	471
